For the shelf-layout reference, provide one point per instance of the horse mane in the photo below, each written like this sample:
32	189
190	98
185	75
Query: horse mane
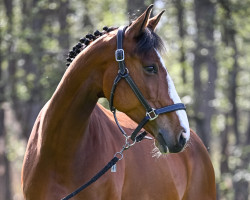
146	41
85	41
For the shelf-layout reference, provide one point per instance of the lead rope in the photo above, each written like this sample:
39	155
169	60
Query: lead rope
95	178
117	157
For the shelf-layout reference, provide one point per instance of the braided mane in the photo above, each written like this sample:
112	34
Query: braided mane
147	40
85	41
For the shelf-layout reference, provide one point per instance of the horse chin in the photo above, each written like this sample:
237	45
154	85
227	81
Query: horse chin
161	145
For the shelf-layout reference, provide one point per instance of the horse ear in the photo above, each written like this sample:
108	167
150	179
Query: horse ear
138	26
154	21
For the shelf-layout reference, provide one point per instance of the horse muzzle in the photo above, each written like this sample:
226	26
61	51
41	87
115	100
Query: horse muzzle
169	143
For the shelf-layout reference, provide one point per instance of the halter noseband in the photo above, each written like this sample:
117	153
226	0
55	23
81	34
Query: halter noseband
151	113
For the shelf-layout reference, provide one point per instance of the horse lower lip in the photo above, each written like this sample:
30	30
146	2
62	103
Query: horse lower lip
162	146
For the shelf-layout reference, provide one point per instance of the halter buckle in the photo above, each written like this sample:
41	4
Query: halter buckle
119	55
151	114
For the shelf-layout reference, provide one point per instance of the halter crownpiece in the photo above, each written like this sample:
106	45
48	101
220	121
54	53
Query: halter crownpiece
151	113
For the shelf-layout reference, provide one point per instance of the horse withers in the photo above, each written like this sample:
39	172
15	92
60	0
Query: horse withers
74	137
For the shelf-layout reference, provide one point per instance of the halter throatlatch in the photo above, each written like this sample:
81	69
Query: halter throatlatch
123	73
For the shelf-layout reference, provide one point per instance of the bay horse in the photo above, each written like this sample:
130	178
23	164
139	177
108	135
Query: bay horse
74	137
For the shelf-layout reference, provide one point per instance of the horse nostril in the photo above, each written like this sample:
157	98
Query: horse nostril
182	139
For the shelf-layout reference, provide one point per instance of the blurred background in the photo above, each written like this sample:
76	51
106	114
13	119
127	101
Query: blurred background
208	57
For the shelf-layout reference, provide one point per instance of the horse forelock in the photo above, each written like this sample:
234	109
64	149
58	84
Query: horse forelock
147	41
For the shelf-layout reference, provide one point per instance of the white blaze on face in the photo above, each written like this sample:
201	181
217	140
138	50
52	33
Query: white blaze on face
182	115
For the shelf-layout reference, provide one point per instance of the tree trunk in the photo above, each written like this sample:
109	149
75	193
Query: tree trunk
241	185
179	5
204	60
63	12
229	39
224	167
5	183
87	23
241	190
5	180
27	110
248	131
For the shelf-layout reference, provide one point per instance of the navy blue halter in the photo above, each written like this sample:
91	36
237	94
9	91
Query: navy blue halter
123	73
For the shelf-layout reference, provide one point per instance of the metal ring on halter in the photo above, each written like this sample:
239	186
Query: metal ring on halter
126	146
129	144
125	74
119	153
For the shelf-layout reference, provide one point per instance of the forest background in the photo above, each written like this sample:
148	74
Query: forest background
208	56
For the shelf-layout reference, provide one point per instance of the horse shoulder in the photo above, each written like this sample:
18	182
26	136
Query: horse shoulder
36	171
201	183
101	141
31	158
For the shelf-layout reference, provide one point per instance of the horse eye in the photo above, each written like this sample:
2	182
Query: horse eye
151	69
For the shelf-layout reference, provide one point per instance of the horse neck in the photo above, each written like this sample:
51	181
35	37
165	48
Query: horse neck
68	112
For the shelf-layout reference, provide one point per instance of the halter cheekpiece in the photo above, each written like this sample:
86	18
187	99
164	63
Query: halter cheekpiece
123	73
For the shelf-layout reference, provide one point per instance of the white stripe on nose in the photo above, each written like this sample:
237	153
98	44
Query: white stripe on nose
182	115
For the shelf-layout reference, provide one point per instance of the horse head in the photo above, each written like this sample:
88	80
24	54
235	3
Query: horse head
144	64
